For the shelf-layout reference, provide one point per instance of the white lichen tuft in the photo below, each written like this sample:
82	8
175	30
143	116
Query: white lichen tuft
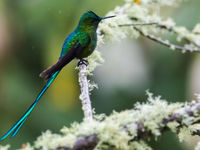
48	140
196	29
183	133
173	126
92	85
85	93
197	146
6	147
94	60
141	145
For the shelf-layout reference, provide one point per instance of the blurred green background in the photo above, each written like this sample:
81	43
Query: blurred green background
31	37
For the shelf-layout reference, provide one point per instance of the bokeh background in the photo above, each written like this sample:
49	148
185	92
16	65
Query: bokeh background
31	37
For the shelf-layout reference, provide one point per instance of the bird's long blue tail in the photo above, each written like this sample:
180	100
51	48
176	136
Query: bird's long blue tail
19	123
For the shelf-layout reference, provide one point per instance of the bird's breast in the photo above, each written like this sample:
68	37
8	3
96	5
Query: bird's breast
90	48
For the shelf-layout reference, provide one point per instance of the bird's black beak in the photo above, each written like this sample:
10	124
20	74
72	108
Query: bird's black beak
107	17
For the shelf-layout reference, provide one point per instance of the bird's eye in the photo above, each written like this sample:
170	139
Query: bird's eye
93	20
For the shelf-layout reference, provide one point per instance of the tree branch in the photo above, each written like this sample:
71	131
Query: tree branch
84	143
179	116
162	26
138	23
84	97
166	43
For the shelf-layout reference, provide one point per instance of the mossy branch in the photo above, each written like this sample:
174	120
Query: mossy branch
166	43
128	129
185	116
83	143
85	97
161	26
137	18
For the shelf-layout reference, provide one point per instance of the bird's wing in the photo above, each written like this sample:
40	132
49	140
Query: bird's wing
71	54
60	63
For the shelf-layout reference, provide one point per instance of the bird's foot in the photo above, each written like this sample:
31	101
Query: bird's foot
83	62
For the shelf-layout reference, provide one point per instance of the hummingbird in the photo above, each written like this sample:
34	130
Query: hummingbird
79	44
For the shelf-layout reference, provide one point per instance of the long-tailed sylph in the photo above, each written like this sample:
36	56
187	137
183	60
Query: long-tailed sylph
79	44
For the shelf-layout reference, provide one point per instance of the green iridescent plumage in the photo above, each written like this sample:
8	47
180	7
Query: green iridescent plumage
79	44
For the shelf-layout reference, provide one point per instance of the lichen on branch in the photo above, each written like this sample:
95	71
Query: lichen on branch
129	129
146	15
85	95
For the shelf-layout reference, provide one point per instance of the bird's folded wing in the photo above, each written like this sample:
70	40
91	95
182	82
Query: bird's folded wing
71	54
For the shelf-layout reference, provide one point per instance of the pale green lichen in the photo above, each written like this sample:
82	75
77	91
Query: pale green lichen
113	129
173	126
6	147
159	2
94	60
183	133
145	11
194	127
92	85
141	145
196	29
197	146
47	140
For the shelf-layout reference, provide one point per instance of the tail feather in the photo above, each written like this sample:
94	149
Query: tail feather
18	127
20	122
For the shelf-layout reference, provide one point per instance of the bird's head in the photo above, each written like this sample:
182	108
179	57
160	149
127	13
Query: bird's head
90	20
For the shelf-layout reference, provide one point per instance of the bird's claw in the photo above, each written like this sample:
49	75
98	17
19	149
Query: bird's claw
83	62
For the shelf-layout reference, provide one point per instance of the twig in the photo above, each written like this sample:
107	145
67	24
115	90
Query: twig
84	97
162	26
123	9
166	43
195	43
149	23
138	23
